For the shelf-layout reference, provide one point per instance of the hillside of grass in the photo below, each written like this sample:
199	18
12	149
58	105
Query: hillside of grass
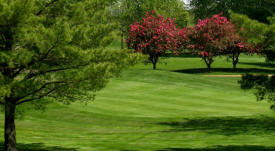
175	108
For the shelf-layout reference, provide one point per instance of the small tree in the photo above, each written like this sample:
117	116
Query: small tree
154	36
209	38
237	45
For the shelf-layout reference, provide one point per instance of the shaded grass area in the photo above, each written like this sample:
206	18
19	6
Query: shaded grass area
259	64
225	125
227	70
225	148
37	147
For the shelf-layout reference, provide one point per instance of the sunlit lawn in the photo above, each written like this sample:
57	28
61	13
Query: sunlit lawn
175	108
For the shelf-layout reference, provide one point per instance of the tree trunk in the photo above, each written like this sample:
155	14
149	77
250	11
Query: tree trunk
154	59
122	40
235	61
154	65
234	66
10	133
208	67
208	63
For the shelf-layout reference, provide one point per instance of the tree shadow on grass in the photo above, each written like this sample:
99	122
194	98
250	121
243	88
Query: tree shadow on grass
38	147
227	70
260	64
225	148
225	125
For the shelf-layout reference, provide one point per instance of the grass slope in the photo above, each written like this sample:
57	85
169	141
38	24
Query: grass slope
174	108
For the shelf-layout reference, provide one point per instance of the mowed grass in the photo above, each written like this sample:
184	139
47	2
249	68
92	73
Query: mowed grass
175	108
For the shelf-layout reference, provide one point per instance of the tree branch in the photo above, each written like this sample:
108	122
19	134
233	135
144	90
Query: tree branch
41	88
18	71
38	97
47	5
31	75
43	57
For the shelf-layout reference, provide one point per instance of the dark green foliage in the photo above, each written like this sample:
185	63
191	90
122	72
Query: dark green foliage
260	34
130	11
264	85
54	50
256	9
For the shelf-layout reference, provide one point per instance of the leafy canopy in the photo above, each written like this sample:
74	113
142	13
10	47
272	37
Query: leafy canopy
129	11
213	37
257	33
153	35
209	37
256	9
55	49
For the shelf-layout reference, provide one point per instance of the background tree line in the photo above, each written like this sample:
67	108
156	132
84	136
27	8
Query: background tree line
126	12
255	9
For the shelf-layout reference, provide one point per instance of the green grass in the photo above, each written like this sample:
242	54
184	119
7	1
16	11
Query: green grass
175	108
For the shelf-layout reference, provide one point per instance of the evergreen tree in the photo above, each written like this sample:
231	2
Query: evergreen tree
53	49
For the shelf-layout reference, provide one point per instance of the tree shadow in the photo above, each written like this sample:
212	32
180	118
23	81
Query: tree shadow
183	55
260	64
227	70
38	147
225	125
225	148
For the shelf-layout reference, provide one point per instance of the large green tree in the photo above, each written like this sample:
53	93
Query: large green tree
256	9
127	12
53	49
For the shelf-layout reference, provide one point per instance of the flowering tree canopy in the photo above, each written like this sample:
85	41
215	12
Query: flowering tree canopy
153	35
237	45
212	37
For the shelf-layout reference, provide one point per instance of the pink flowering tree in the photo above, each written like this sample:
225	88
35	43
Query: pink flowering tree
153	35
237	45
213	37
209	38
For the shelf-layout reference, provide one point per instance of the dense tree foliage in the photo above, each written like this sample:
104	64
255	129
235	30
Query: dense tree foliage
236	45
256	9
213	37
128	11
264	86
53	49
209	38
153	35
259	34
263	35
